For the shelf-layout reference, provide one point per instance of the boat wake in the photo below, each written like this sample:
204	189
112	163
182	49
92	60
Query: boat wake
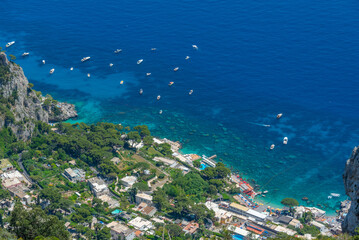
259	124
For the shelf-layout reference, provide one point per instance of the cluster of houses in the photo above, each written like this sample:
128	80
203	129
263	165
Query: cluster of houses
14	181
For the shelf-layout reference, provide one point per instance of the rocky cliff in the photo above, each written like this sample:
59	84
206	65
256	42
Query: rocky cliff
21	106
351	184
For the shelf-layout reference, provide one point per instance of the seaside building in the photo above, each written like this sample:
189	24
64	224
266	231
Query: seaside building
320	226
237	208
74	175
120	231
222	216
98	186
128	181
208	161
144	198
256	215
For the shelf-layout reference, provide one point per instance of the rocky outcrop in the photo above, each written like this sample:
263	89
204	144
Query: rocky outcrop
21	106
351	184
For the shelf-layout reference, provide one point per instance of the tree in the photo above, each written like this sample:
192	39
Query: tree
174	230
289	202
102	233
31	224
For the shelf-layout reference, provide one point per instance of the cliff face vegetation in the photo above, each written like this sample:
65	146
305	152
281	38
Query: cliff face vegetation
21	106
351	184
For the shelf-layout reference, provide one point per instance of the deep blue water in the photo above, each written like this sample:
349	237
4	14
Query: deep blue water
255	59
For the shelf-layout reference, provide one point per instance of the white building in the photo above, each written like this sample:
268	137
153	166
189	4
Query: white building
98	186
128	181
143	197
120	231
141	224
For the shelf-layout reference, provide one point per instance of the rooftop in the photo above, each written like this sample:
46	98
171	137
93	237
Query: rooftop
238	206
144	196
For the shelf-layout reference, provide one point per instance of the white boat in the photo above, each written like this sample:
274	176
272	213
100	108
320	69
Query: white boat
10	44
279	115
148	74
25	54
140	61
153	49
335	194
285	140
71	68
265	191
190	92
141	91
158	97
85	59
176	69
118	51
88	75
111	64
195	47
272	147
52	71
330	197
43	61
187	57
160	112
121	82
171	83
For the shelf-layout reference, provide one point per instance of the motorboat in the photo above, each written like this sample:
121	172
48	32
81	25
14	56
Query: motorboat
118	51
111	64
140	61
171	83
71	68
121	82
88	75
158	97
285	140
148	74
272	147
330	197
25	54
190	92
335	194
85	59
153	49
10	44
187	57
265	192
160	112
279	115
141	91
176	69
52	70
195	47
43	61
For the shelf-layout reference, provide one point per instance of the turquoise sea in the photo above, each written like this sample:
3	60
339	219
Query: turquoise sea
255	59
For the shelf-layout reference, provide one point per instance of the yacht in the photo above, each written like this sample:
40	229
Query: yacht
118	51
195	47
176	69
279	115
88	75
85	59
111	64
148	74
160	112
187	57
285	140
190	92
330	197
52	71
25	54
272	147
43	61
140	61
71	68
158	97
141	91
10	44
153	49
121	82
171	83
